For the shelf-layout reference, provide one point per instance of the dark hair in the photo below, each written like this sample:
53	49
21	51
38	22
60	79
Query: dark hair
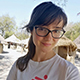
44	14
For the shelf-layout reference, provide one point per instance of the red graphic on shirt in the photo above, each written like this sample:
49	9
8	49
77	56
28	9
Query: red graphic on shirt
37	78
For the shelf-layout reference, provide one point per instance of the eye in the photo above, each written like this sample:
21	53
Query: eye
56	31
41	29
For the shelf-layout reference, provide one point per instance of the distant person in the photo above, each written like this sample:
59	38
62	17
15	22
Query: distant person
8	45
41	62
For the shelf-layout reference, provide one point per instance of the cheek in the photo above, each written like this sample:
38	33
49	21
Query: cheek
55	40
36	39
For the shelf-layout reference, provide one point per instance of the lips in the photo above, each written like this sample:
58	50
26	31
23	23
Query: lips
46	44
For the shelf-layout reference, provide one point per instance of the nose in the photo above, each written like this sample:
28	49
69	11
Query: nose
48	37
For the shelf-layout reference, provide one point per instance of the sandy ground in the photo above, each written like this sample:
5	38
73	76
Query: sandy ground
8	57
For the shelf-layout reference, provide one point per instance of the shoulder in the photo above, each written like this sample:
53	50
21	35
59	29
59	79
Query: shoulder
62	61
68	65
13	73
71	70
14	65
13	68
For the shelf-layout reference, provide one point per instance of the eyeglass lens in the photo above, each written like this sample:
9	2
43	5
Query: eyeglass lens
44	32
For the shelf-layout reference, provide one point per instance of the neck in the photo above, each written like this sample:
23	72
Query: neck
42	56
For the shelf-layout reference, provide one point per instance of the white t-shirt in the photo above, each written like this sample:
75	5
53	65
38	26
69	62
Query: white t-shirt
55	68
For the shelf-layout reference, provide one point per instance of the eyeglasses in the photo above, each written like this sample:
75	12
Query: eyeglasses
43	32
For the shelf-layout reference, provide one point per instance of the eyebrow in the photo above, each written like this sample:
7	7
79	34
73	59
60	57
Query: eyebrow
53	27
57	27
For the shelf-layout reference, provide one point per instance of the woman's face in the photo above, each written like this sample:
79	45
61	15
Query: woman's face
46	43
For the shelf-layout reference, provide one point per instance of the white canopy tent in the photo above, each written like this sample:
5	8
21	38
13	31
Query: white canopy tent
25	42
12	39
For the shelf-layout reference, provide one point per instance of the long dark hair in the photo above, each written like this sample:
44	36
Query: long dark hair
44	14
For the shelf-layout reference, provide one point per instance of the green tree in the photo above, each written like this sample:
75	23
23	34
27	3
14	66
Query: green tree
7	34
74	31
7	25
22	34
60	2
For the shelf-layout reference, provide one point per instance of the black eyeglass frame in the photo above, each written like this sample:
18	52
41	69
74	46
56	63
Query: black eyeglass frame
49	32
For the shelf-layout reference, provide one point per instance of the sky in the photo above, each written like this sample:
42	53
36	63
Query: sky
21	10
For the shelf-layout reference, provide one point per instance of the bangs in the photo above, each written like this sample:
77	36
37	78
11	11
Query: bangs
50	15
50	20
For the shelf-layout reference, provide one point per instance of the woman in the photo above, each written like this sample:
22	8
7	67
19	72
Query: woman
41	62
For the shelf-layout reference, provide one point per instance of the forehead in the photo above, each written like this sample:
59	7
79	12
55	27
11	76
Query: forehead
55	24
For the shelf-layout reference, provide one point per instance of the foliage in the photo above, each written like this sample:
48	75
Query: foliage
74	31
61	2
7	25
7	34
23	34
